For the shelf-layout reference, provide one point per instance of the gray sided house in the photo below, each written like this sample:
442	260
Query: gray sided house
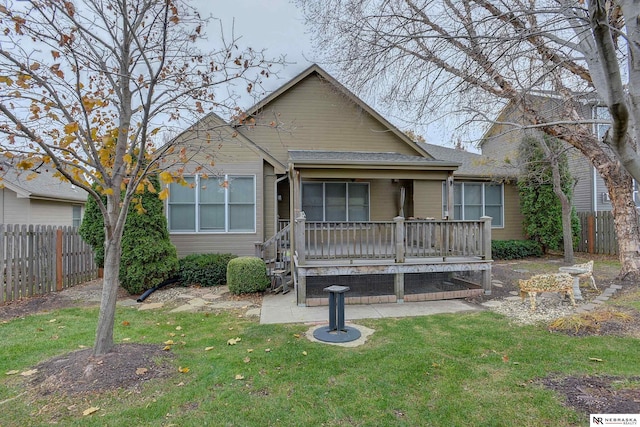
337	195
501	141
40	199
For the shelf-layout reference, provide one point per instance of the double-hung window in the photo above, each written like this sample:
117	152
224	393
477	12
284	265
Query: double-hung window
76	215
472	200
216	204
335	201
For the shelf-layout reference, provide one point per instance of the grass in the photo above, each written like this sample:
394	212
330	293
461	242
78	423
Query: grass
471	369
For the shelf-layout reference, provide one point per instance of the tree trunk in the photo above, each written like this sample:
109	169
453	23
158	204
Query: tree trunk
111	283
567	230
625	219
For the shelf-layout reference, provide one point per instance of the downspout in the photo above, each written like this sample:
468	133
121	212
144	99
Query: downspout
449	212
595	190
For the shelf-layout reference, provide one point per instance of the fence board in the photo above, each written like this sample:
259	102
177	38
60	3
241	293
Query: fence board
602	235
28	260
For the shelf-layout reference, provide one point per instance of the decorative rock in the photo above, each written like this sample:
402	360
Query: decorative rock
197	302
151	306
183	308
253	312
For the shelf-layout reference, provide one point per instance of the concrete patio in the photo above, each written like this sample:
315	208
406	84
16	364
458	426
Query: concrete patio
283	309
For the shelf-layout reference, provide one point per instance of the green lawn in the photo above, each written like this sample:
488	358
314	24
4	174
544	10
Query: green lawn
443	370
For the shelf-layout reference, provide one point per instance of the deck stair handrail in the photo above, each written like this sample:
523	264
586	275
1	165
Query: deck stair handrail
276	251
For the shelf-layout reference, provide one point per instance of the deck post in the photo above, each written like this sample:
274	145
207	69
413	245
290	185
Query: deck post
300	229
302	290
486	252
398	284
400	255
486	237
258	249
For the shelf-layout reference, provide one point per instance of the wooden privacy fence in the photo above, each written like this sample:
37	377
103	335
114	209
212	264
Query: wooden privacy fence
597	233
38	259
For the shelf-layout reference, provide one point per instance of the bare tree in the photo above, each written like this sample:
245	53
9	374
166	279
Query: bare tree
86	87
471	55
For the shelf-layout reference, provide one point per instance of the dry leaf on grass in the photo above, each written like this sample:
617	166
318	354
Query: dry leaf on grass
141	371
90	411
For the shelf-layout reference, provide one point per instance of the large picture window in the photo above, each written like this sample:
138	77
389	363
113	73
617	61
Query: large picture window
217	204
472	200
335	201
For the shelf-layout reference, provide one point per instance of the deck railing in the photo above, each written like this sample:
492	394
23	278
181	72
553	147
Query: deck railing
392	240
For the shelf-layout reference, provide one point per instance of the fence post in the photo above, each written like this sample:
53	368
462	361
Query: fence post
591	233
59	280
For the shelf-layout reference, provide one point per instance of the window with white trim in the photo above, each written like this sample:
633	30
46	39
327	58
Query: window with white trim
335	201
76	215
472	200
225	204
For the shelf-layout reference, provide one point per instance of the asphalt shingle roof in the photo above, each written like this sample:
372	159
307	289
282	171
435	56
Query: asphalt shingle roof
43	186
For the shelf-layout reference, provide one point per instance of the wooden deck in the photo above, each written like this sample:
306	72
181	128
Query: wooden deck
452	249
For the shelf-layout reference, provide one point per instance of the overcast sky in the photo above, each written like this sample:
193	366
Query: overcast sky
274	25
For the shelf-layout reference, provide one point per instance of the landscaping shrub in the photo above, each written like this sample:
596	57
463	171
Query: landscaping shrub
204	269
246	275
148	256
514	249
92	228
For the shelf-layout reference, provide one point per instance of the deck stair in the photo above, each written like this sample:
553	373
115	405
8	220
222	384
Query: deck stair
276	253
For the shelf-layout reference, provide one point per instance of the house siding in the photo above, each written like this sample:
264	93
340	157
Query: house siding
513	217
51	213
427	199
15	210
19	210
315	115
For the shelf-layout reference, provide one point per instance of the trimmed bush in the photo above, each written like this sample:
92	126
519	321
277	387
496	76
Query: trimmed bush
204	269
515	249
247	275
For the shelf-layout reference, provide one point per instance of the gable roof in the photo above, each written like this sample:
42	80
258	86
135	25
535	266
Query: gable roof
43	187
316	69
226	129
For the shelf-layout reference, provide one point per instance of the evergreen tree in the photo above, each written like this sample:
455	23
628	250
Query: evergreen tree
148	256
539	204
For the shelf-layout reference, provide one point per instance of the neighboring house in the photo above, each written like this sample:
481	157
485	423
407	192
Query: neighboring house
502	139
39	199
342	195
